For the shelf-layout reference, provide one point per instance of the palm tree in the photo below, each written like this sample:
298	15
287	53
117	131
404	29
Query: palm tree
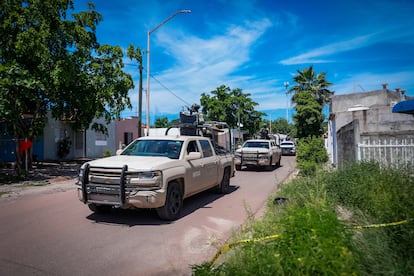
308	80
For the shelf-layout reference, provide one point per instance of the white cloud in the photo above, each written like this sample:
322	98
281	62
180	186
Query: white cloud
204	64
319	55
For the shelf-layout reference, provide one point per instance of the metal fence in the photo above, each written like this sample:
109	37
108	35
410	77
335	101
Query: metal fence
389	152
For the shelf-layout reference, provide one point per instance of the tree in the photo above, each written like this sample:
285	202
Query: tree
228	105
49	62
309	117
161	122
308	80
281	125
310	94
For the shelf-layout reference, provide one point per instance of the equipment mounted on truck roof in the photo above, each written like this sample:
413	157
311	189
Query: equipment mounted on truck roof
192	124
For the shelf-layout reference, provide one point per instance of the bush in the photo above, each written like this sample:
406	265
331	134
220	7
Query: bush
311	155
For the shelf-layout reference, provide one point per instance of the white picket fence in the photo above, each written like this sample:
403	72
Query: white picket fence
389	152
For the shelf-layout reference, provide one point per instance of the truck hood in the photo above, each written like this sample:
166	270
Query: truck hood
287	146
135	163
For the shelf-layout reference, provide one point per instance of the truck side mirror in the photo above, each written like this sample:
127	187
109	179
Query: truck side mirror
193	155
118	152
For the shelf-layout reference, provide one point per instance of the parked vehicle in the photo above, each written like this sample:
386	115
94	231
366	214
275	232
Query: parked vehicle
288	148
258	153
158	172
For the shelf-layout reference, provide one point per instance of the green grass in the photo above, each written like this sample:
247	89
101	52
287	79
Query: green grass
315	227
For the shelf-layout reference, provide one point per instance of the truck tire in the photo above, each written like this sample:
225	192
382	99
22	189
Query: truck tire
99	209
225	182
238	167
278	162
173	203
270	166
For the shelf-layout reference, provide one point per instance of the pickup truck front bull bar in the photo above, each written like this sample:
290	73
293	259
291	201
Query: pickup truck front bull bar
122	181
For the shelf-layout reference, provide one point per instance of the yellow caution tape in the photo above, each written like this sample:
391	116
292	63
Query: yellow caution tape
381	224
228	246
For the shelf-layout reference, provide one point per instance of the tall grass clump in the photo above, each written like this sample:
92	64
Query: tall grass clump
317	230
378	195
310	239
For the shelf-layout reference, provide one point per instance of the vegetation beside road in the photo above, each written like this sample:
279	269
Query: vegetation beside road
316	227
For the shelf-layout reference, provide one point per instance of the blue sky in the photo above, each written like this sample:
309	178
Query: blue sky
259	45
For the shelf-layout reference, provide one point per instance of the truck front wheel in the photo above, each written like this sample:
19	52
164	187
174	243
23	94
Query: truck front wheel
173	203
99	208
225	182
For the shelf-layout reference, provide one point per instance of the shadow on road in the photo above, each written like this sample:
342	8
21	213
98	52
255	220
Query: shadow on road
259	169
137	217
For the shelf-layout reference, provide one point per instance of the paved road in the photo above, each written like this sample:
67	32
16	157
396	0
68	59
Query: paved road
52	233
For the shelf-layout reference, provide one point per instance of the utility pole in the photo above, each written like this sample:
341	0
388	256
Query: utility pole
286	84
140	101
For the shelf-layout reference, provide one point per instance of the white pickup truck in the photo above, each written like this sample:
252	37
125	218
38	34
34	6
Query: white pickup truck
258	153
155	172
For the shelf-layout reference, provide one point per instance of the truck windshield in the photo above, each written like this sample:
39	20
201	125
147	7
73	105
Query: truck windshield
264	145
160	148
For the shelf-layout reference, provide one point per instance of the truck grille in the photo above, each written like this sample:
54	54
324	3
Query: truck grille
104	181
105	176
250	156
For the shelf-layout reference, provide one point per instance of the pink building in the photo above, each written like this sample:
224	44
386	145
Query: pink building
127	131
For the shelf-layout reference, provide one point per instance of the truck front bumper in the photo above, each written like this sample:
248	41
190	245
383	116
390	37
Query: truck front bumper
261	162
104	195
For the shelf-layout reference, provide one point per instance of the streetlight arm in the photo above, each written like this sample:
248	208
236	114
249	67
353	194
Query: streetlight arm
168	19
149	62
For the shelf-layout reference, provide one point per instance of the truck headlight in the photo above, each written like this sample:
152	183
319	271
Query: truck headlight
150	179
80	176
263	156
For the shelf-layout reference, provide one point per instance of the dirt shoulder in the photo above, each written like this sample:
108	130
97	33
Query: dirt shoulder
43	178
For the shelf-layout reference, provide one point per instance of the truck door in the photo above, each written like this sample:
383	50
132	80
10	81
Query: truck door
209	169
195	182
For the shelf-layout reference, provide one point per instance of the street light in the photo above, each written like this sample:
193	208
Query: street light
286	84
148	62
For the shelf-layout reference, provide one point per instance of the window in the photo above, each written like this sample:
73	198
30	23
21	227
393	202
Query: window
128	138
206	147
192	147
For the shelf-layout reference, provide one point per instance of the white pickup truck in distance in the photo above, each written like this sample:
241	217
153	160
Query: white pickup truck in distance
156	173
258	153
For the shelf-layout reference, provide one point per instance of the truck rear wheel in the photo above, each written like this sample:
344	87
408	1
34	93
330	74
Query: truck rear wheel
173	203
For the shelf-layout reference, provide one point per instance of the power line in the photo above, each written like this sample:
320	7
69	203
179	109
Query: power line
160	83
169	90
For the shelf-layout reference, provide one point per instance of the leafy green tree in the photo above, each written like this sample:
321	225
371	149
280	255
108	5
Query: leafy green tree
309	117
229	105
281	125
161	122
50	60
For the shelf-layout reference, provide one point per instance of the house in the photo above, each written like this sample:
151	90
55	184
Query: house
87	144
360	122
